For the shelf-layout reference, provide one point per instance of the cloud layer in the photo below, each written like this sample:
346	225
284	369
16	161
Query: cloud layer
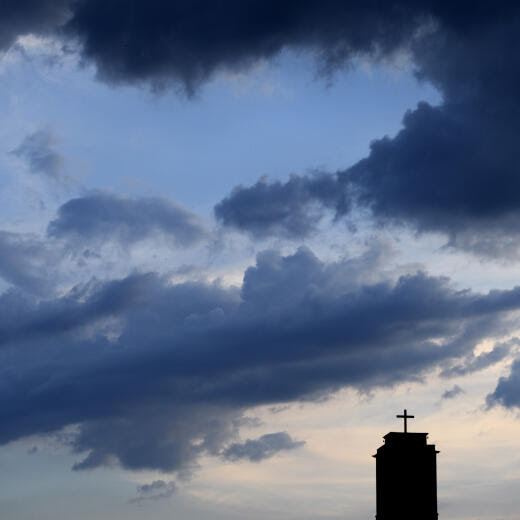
157	42
187	43
148	373
155	374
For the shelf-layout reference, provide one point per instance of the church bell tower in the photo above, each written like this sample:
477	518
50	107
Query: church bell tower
406	476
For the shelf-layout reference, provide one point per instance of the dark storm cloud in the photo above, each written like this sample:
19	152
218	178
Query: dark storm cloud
156	374
451	169
83	307
103	217
292	209
186	42
20	18
39	150
264	447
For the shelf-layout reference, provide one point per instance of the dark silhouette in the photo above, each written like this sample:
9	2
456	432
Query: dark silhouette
406	475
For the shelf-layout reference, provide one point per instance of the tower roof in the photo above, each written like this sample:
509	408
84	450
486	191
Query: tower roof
401	437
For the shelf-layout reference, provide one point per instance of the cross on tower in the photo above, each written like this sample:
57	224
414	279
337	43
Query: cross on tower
405	417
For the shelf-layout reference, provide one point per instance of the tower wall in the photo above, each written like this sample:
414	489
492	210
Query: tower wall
406	476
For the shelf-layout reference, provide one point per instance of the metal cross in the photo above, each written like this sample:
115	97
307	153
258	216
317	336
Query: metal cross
405	417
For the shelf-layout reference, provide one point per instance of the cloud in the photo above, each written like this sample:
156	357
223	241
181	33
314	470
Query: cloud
157	490
452	168
264	447
507	391
31	17
178	43
168	437
442	172
475	363
282	209
453	392
39	150
101	217
155	374
24	262
83	307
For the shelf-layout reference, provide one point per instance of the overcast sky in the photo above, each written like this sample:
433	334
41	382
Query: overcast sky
239	237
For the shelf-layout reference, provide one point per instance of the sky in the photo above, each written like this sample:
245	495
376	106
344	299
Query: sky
238	238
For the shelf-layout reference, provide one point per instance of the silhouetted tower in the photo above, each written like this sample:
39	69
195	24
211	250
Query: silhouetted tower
406	475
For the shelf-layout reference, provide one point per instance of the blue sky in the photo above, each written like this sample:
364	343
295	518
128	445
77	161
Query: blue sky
276	119
217	294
